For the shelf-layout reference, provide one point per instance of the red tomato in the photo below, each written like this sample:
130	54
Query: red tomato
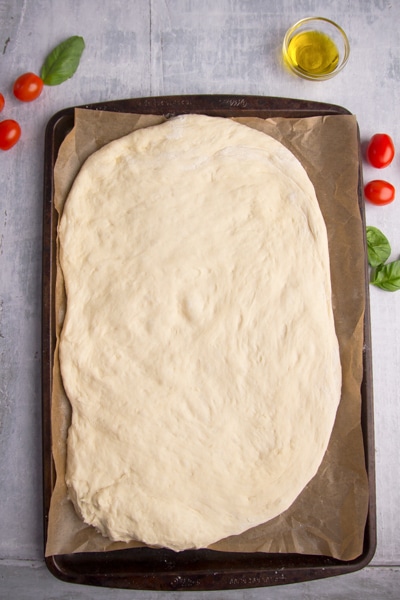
2	102
379	192
28	87
380	151
10	132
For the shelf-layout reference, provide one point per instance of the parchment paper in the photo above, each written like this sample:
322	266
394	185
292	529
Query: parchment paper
328	518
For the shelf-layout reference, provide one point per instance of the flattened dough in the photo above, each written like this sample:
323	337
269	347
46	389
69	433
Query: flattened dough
198	350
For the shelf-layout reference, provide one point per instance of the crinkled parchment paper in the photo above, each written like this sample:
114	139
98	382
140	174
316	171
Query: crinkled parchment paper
328	518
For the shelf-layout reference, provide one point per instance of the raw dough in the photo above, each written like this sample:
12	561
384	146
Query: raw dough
198	349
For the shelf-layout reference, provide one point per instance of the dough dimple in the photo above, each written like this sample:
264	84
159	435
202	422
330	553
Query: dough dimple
198	349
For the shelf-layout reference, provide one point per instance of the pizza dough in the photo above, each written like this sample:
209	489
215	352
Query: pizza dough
198	349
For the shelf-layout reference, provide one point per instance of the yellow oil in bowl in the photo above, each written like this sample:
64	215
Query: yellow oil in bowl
313	53
315	48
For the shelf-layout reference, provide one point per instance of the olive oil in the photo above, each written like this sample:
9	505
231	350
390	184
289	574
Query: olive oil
313	53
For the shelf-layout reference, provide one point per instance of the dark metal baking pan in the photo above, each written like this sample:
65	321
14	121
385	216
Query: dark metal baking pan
161	569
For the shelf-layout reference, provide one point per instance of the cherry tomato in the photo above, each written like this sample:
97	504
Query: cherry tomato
379	192
2	102
28	87
380	150
10	132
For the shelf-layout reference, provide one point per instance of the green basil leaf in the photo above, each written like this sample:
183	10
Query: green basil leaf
378	247
63	61
387	277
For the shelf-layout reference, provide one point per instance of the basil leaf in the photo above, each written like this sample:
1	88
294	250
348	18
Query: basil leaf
63	61
378	247
387	277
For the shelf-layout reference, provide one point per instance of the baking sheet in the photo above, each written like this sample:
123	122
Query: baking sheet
290	120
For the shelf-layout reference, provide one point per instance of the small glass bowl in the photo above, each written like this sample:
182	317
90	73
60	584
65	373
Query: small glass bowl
327	35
